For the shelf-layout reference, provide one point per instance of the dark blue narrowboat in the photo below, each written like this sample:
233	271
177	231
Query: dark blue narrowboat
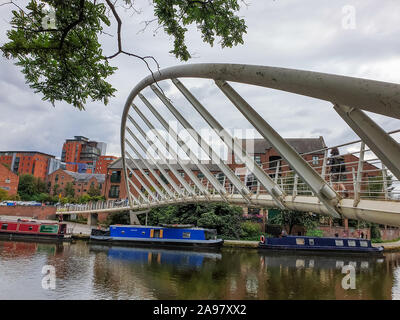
160	236
315	244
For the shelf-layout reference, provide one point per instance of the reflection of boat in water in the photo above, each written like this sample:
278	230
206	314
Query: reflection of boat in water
177	236
317	261
182	258
20	248
314	244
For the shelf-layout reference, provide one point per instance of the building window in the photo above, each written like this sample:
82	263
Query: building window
273	162
115	177
257	159
164	179
315	160
200	175
220	177
114	192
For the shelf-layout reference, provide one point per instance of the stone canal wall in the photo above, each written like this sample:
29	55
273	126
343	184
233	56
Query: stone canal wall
36	212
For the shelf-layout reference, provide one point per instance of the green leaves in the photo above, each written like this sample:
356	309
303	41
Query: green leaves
213	19
226	219
64	61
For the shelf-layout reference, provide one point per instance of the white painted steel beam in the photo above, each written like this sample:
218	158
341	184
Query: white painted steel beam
169	149
161	169
233	144
370	95
380	143
323	191
183	182
207	173
140	180
203	144
156	188
129	181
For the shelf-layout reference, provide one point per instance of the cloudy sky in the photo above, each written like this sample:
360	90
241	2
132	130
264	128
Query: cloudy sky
309	35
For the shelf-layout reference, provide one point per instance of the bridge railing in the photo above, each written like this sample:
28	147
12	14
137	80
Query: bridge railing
90	206
355	173
352	176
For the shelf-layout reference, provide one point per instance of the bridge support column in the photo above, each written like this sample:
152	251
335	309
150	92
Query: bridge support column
133	218
322	190
384	146
92	219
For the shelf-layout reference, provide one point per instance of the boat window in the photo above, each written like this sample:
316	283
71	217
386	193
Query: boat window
122	231
311	242
157	234
339	243
210	235
4	226
300	241
363	243
186	235
351	243
30	228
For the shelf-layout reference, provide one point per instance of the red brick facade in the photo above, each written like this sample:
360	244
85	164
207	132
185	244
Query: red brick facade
103	162
81	182
40	212
8	180
35	163
115	187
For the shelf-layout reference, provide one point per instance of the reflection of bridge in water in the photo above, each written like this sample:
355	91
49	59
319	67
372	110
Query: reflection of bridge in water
366	191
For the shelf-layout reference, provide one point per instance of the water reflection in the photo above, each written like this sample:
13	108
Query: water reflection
86	271
178	258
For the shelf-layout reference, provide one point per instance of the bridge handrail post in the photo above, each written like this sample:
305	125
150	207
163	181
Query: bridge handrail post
360	166
385	186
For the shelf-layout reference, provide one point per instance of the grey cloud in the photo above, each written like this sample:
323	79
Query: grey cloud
285	33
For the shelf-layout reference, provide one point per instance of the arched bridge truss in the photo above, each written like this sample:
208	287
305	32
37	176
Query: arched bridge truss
295	183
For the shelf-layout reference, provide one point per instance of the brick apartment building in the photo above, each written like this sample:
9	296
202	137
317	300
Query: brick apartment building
38	164
8	180
267	157
81	182
81	154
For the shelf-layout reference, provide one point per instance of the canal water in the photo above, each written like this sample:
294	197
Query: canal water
85	271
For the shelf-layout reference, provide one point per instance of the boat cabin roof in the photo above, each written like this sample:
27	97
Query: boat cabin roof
335	238
159	227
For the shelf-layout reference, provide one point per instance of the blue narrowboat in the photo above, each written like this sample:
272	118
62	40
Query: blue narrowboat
185	236
315	244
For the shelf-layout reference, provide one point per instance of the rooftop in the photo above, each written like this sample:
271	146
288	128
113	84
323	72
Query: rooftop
2	153
301	145
117	164
85	177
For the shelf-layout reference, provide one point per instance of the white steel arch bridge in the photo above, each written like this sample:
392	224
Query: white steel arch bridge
366	192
